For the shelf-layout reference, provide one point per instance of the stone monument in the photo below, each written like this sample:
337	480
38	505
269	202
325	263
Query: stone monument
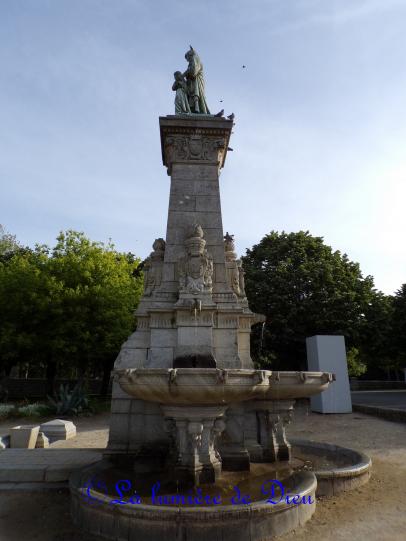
194	312
188	406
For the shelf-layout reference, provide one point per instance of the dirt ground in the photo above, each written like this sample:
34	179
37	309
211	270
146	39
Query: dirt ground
374	512
91	431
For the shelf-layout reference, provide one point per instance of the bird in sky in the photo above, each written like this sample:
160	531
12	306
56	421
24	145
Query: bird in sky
244	66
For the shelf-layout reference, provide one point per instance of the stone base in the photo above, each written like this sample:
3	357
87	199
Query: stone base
206	474
24	436
235	461
58	429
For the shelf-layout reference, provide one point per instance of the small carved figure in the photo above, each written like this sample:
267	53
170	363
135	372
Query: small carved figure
241	273
153	267
181	98
235	272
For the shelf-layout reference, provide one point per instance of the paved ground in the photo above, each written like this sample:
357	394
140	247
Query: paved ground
387	399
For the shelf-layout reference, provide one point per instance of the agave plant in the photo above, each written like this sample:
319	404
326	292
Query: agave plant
70	401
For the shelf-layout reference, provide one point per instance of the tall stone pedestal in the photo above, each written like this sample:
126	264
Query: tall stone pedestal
194	311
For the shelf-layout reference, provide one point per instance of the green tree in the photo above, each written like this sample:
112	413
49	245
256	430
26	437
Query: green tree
374	343
398	329
28	301
101	289
68	308
8	242
303	288
355	366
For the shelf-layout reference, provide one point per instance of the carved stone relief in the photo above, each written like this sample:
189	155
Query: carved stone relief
196	267
193	147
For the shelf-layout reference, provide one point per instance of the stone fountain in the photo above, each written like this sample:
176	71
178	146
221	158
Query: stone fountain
187	402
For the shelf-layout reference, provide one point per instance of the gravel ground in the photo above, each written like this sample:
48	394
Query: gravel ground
374	512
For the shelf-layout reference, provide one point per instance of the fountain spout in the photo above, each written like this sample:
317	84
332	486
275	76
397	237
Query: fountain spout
196	307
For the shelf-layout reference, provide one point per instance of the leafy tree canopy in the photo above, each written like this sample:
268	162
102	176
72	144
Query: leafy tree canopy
304	288
70	306
398	328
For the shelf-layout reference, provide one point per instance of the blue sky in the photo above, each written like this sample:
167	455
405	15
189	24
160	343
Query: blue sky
320	134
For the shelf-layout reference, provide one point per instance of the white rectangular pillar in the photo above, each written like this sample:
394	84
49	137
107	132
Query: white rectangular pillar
327	354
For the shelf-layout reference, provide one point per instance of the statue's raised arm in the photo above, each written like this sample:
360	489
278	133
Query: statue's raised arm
195	83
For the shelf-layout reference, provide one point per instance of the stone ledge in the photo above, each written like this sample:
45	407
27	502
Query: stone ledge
390	414
21	466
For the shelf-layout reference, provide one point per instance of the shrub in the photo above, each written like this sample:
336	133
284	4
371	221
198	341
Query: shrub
34	410
6	410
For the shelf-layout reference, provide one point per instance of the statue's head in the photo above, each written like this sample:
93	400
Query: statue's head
178	75
190	54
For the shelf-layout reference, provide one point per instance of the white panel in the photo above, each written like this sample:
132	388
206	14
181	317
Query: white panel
327	354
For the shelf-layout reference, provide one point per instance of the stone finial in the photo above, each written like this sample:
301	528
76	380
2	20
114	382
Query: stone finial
159	248
229	245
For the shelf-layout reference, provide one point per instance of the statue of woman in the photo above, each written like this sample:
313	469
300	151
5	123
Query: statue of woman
181	97
195	83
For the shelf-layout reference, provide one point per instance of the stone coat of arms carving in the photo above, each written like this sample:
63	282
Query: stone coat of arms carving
196	267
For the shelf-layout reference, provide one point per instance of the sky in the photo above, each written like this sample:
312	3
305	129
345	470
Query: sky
320	111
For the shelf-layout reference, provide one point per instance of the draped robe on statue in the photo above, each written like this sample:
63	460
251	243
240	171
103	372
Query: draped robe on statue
195	83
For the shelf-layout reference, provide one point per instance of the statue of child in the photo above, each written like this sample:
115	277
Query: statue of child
181	98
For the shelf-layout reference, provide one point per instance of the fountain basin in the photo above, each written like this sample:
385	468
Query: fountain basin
337	469
197	386
215	386
93	511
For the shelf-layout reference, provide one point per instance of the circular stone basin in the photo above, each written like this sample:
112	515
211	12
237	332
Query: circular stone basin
104	498
337	468
195	386
96	505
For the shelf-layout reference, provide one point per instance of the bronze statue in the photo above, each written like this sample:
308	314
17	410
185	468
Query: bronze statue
190	83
